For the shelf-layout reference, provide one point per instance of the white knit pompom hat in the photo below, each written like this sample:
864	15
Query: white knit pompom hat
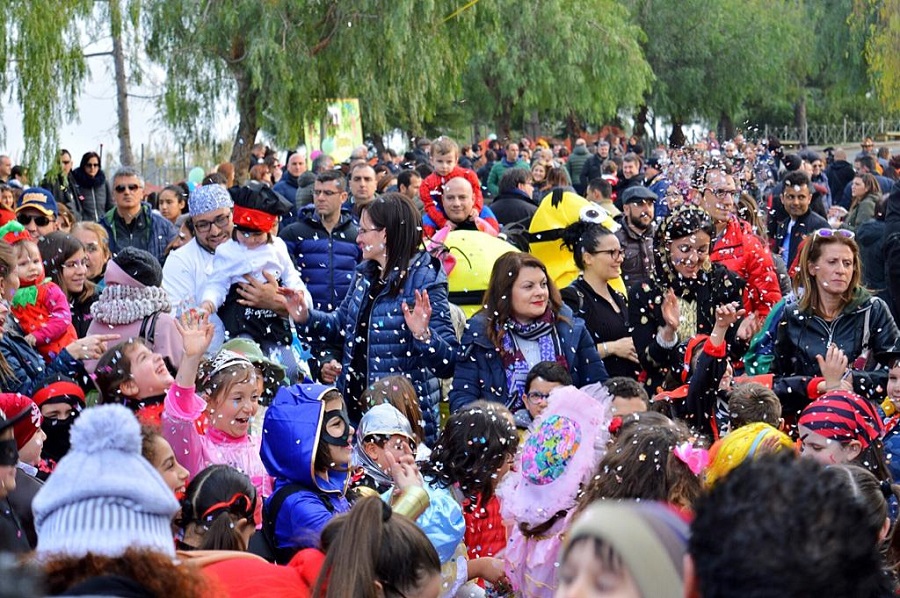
104	497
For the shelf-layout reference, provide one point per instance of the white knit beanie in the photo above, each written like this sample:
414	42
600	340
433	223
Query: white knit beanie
104	497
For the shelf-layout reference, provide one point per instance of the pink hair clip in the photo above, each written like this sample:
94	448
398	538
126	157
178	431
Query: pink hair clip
695	458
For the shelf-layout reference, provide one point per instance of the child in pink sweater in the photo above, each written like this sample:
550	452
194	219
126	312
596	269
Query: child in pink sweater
211	425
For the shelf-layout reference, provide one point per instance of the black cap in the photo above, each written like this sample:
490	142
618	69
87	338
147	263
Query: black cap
140	265
261	198
638	194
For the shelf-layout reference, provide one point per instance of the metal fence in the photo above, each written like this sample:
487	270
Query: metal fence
837	134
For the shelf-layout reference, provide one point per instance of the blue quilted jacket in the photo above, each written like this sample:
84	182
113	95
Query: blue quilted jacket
392	349
480	373
327	262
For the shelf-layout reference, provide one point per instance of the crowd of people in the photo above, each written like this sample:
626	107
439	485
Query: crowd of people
497	369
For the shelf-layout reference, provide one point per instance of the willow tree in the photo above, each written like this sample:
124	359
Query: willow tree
277	62
42	67
574	61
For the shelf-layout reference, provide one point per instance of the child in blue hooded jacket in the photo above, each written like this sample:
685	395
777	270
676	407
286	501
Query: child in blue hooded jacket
306	447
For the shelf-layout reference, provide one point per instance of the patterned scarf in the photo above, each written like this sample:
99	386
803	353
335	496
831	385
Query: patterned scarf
119	304
515	366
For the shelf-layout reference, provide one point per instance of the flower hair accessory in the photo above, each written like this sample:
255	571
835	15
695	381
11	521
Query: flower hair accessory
695	458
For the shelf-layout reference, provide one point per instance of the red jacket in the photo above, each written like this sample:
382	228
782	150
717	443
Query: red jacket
485	533
742	252
431	193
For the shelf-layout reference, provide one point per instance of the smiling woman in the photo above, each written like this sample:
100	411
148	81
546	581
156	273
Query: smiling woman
65	262
834	309
681	299
523	322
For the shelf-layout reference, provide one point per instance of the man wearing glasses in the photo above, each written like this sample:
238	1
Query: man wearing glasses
187	269
36	210
737	247
132	223
322	244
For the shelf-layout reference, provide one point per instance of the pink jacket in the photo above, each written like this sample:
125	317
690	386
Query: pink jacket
196	450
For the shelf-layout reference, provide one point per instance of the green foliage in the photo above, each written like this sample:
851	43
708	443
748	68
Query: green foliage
710	58
878	22
560	58
279	61
42	67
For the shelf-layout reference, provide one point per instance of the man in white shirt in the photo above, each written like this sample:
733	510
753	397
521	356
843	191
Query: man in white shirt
187	268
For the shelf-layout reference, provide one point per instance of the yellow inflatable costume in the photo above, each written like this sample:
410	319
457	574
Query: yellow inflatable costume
558	210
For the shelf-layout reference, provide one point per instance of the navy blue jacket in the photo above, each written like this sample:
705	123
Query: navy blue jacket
392	350
326	262
287	188
480	374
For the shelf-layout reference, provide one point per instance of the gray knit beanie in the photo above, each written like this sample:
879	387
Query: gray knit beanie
104	496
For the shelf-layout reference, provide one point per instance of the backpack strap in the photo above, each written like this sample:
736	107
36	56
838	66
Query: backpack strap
148	328
270	515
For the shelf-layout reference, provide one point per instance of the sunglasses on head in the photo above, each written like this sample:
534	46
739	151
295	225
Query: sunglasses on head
26	219
131	187
828	233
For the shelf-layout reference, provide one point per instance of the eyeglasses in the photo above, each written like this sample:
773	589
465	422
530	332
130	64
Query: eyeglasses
613	253
828	233
92	165
82	263
131	187
203	226
325	192
722	193
26	219
537	397
365	231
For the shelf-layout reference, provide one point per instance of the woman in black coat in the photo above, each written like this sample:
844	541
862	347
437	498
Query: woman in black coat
680	300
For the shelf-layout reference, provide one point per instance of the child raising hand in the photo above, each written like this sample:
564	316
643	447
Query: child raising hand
210	425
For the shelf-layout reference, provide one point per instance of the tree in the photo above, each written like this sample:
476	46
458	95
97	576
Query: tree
577	61
122	23
879	23
278	61
43	68
710	58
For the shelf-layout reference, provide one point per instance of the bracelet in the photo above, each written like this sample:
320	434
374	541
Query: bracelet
605	351
412	502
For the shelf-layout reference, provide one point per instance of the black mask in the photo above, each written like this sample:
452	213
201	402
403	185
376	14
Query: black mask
57	443
336	440
9	453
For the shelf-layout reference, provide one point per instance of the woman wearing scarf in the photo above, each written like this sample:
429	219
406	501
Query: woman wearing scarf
133	304
93	196
523	323
680	300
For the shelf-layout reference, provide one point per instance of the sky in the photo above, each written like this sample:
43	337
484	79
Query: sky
97	118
